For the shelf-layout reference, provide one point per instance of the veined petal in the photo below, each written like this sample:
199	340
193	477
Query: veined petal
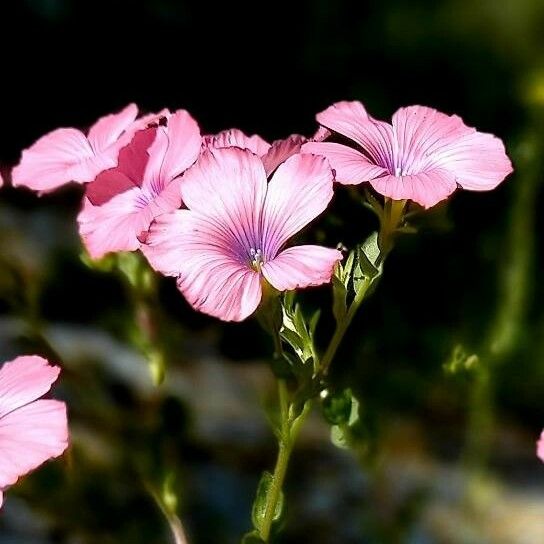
376	138
301	266
351	166
115	225
228	185
425	188
280	151
109	128
176	147
298	192
236	138
428	139
24	380
29	436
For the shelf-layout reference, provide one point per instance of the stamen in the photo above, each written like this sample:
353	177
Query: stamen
256	259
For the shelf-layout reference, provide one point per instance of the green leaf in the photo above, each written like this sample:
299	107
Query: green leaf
258	512
337	406
339	299
252	538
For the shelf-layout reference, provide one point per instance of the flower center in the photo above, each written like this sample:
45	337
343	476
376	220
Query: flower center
256	256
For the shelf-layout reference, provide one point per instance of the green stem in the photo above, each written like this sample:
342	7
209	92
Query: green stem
343	326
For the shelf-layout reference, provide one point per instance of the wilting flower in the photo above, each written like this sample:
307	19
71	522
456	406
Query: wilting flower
424	155
67	154
540	447
121	203
235	228
272	155
32	430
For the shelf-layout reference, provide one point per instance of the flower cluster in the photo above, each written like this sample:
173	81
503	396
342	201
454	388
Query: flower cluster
217	212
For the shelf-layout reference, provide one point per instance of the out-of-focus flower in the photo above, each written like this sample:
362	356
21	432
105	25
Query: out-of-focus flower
424	155
235	228
32	430
121	202
67	154
540	447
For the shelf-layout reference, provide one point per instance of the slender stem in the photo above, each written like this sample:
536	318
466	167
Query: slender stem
343	326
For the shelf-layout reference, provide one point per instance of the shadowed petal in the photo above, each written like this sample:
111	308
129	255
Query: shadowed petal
280	151
301	266
23	380
298	192
29	436
351	166
236	138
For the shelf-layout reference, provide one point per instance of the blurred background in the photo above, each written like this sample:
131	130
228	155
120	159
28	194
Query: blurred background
446	359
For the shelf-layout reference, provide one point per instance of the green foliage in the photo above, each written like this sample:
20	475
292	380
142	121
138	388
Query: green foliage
258	513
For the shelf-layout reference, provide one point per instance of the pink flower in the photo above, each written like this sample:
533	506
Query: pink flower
272	155
67	154
540	447
122	202
31	430
422	156
235	228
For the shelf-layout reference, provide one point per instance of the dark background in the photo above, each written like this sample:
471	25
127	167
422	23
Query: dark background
470	276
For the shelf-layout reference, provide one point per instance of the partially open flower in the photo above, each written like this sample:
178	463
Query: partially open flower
424	155
121	203
235	228
32	430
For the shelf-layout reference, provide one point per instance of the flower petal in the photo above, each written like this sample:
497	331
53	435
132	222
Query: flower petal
540	447
301	266
350	119
351	166
176	147
115	225
213	276
236	138
280	151
23	380
298	192
429	139
29	436
228	185
109	128
426	188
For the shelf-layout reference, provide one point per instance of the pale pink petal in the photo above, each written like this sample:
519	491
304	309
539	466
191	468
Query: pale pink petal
301	266
298	192
228	185
540	447
351	167
176	147
321	134
109	128
429	139
280	151
115	225
212	268
376	138
23	380
29	436
236	138
425	188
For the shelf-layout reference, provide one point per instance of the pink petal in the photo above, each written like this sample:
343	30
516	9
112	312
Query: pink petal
301	266
280	151
298	192
129	173
351	166
29	436
236	138
228	185
426	188
540	447
350	119
202	253
116	225
429	139
23	380
176	147
109	128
